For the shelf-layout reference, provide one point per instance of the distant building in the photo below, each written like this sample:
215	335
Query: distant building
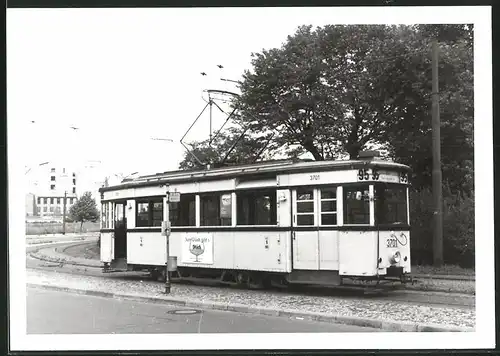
30	204
51	181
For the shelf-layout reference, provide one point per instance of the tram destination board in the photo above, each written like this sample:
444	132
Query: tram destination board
382	176
174	197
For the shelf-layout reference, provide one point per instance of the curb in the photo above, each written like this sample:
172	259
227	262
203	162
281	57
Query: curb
393	326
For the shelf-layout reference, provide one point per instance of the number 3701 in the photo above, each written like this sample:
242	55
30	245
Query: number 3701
392	243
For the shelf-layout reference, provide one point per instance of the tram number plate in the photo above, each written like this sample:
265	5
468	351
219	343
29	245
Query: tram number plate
392	243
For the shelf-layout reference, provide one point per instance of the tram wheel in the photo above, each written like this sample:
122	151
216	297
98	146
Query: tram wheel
242	279
155	274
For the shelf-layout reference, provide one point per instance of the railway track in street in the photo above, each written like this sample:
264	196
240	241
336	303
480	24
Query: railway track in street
427	298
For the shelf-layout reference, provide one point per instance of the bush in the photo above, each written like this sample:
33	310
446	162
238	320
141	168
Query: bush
458	227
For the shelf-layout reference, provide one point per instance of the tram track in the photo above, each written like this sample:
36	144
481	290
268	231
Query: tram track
427	298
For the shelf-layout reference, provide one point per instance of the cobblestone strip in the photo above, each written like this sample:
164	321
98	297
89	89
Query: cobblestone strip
394	316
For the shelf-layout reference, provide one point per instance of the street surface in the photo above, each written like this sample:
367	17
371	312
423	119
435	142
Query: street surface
57	312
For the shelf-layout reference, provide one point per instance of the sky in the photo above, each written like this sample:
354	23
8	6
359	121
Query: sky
123	76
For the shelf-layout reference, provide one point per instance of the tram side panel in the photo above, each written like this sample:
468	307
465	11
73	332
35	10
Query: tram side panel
358	253
107	245
146	248
262	251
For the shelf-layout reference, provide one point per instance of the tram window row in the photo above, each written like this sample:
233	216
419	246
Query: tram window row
259	207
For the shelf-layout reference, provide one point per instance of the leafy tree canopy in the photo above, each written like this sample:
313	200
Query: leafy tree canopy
334	91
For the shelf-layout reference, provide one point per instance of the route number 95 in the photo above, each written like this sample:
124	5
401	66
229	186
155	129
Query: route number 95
392	242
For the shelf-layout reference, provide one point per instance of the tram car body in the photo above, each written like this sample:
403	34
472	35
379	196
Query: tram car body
309	222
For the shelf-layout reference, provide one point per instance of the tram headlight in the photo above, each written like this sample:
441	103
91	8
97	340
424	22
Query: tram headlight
396	258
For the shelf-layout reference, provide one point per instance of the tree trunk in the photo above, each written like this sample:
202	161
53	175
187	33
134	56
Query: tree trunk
314	151
81	226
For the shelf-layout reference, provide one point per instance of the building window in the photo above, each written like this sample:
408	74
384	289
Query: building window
44	209
58	200
74	175
51	209
51	200
45	201
356	205
328	207
149	213
256	208
390	204
183	213
52	187
52	170
305	207
74	190
71	200
39	210
64	170
53	178
215	209
39	200
74	181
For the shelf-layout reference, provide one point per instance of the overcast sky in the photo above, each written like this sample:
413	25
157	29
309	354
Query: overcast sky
122	76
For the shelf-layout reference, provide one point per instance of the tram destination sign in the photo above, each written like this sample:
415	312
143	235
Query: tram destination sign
174	197
382	176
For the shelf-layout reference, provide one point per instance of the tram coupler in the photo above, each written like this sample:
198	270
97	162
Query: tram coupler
406	278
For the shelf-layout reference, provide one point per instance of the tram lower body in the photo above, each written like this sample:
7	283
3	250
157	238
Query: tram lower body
264	258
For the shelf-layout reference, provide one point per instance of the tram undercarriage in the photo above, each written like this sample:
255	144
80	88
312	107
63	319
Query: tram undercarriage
263	280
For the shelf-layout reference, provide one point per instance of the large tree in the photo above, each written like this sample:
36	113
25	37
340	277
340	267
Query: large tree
336	90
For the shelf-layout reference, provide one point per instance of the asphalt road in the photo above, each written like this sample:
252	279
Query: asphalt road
57	312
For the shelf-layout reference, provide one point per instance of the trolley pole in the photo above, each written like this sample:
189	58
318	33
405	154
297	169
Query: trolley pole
64	214
436	162
167	238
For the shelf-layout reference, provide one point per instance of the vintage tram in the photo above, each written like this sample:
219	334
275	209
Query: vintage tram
306	222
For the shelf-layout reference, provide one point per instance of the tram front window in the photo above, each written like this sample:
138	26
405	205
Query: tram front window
356	205
390	204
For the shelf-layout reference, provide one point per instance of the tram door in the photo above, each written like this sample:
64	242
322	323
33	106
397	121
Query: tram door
305	236
120	231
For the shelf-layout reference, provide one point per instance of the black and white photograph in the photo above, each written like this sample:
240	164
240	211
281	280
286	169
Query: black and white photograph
250	178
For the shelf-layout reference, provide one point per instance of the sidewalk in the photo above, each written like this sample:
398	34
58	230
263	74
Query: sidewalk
385	315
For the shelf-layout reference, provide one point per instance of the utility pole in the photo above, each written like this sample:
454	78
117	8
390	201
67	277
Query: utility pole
166	229
64	213
436	162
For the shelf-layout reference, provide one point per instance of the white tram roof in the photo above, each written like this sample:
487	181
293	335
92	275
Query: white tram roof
255	170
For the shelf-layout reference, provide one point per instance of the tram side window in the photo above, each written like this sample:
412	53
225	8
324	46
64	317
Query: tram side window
356	205
256	207
104	210
390	204
305	207
328	206
149	213
183	213
215	209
